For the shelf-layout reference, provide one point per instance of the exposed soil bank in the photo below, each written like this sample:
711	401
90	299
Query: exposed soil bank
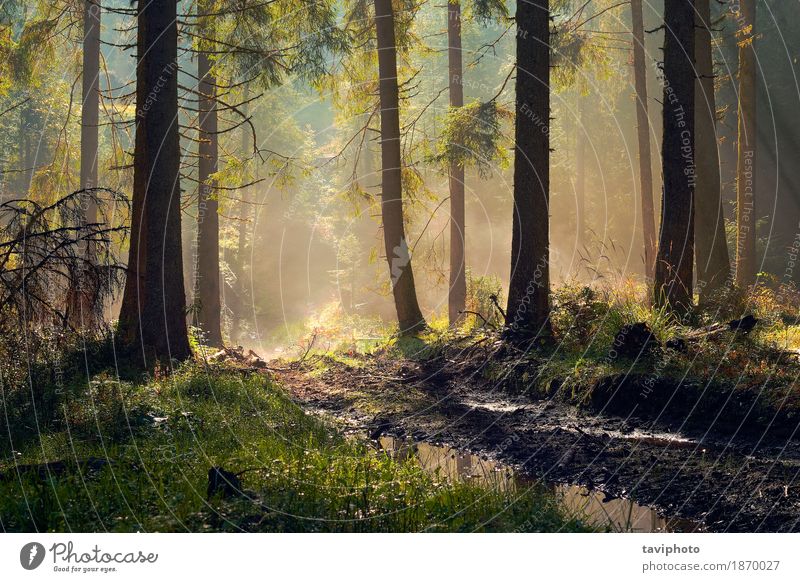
721	479
692	406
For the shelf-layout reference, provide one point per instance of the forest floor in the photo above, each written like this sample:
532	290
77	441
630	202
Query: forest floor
724	458
702	427
213	449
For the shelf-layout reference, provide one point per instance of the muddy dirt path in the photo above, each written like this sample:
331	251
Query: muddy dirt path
718	483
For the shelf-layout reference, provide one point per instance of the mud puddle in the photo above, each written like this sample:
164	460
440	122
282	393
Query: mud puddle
725	484
595	507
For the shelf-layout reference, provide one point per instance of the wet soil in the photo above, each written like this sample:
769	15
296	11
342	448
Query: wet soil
603	511
718	480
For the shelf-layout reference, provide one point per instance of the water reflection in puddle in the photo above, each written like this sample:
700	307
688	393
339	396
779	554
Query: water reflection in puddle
623	515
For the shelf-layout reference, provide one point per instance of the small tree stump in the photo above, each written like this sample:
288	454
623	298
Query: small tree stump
632	341
224	483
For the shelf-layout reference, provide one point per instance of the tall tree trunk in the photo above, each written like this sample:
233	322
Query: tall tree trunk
711	247
643	134
580	177
529	288
207	307
83	299
26	152
90	107
674	263
398	253
153	316
133	295
748	134
458	281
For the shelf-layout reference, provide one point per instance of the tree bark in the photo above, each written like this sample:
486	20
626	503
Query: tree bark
207	307
746	162
674	263
398	252
83	298
643	134
711	247
133	295
528	310
153	316
458	280
90	108
580	177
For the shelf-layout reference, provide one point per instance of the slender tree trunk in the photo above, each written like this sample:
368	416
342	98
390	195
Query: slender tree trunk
711	247
458	281
207	306
19	182
748	135
674	263
154	318
398	253
580	177
90	108
82	300
26	153
529	288
643	134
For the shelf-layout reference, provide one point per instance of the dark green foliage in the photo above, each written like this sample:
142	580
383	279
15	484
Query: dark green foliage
271	40
486	11
472	136
31	46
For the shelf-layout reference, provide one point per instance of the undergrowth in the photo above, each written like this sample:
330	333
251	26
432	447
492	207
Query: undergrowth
763	365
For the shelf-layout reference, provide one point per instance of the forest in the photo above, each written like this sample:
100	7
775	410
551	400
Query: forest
399	266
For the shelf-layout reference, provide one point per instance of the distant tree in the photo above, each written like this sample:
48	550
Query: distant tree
398	251
34	79
484	10
249	42
153	313
674	263
581	62
529	288
643	135
238	261
208	307
83	298
580	175
711	246
746	153
457	295
90	101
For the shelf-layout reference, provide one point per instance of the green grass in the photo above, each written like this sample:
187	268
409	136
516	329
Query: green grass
300	472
